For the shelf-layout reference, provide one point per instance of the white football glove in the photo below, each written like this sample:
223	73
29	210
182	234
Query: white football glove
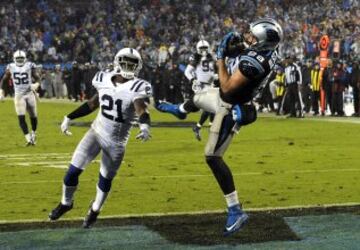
2	96
65	126
144	133
196	85
34	86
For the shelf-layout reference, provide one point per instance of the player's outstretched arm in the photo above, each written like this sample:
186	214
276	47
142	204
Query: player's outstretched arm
5	78
144	119
83	110
36	77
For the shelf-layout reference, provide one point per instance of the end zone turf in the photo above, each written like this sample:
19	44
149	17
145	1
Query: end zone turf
185	230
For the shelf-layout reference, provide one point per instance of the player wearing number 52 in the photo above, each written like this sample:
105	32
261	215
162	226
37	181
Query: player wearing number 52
122	97
22	72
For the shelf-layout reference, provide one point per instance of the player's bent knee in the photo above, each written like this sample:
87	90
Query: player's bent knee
104	183
190	106
72	176
213	161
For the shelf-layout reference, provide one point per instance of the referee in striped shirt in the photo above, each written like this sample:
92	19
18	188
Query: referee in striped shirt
292	82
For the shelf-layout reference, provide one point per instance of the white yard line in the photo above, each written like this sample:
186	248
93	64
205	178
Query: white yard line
309	171
29	158
256	209
43	163
34	155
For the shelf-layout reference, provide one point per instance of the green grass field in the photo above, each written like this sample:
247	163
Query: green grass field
276	163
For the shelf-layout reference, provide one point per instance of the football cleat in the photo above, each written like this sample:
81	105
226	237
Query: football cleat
171	108
57	212
33	138
235	221
90	218
196	131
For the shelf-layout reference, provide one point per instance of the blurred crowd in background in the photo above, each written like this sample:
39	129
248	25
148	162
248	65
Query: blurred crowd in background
71	40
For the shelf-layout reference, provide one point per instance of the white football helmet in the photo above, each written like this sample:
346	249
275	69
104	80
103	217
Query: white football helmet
203	47
268	33
127	63
19	58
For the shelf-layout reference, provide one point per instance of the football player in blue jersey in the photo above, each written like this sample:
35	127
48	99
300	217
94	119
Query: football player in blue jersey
244	62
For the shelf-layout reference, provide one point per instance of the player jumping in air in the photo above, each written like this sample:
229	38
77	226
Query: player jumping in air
22	74
121	96
244	61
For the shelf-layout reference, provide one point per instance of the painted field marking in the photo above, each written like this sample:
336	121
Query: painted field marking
216	211
3	156
199	175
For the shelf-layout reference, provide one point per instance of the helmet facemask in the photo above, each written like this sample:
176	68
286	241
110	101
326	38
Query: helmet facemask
128	67
19	58
203	50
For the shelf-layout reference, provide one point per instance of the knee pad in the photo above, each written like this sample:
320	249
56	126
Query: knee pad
104	184
190	106
72	176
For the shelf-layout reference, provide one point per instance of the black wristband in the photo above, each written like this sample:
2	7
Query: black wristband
145	118
81	111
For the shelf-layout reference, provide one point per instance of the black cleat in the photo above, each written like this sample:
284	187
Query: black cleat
196	130
57	212
90	218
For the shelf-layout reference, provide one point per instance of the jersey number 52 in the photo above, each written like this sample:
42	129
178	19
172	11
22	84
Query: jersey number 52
21	78
110	106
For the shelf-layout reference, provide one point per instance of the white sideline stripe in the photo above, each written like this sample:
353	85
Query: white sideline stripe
216	211
199	175
344	120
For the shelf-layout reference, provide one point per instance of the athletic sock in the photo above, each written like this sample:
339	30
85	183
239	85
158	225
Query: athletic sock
181	108
68	194
28	137
34	122
232	199
23	125
99	199
198	125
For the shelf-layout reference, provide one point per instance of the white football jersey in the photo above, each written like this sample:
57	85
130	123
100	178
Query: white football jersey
204	70
117	112
21	77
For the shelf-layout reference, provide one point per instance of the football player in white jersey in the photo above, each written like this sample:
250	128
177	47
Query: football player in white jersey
122	97
243	69
22	74
201	73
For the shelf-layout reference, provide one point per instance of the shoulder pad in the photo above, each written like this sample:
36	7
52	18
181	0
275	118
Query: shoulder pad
100	79
141	88
253	65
